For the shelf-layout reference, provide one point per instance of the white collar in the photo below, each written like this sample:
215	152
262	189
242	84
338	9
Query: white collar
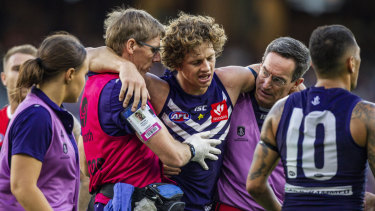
9	114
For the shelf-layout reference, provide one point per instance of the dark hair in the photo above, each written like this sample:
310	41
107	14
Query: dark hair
56	54
327	45
290	48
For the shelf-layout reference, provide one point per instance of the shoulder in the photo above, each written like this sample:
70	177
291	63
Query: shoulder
278	107
364	111
34	114
236	77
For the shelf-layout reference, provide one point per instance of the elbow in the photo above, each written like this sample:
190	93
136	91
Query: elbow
17	189
255	189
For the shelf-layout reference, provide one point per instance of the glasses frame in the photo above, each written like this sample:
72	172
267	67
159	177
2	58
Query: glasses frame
154	49
278	81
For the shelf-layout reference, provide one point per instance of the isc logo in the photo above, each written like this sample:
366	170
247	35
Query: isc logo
179	116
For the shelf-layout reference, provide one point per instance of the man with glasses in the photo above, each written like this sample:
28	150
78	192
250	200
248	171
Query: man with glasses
284	63
155	50
324	135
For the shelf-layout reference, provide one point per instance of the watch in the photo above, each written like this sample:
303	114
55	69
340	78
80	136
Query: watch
192	150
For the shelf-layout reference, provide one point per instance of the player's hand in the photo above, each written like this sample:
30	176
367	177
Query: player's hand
170	171
204	148
134	85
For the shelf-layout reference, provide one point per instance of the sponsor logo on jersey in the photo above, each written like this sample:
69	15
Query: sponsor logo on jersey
179	116
200	108
65	148
219	111
83	112
316	101
240	130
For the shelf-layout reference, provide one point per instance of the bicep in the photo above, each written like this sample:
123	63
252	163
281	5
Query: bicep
25	170
236	78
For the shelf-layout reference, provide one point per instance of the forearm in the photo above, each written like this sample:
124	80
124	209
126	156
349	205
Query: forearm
266	198
170	151
82	157
31	198
103	59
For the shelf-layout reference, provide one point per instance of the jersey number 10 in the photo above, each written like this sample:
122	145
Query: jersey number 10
308	160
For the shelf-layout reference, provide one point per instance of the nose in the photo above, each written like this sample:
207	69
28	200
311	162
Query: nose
156	57
267	82
205	65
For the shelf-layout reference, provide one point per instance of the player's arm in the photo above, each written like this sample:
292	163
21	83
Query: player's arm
264	161
236	79
176	154
104	59
362	128
158	90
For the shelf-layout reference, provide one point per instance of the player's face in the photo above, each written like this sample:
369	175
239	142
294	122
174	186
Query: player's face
145	55
275	79
197	69
10	75
76	85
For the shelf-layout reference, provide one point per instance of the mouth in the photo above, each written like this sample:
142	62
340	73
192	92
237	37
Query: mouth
264	94
204	78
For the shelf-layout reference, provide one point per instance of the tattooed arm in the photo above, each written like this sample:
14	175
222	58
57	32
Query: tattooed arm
362	128
264	161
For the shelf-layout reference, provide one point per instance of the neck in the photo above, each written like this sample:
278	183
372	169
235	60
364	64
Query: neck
333	83
13	104
54	91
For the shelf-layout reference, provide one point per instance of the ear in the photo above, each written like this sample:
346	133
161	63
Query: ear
129	46
69	75
351	64
297	86
3	77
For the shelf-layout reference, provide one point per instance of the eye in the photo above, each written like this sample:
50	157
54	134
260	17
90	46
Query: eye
278	81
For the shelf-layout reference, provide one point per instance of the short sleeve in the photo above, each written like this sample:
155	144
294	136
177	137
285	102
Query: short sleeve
31	132
110	109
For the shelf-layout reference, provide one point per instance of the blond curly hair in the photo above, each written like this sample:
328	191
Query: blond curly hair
187	32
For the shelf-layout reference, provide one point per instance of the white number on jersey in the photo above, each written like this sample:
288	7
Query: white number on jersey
328	120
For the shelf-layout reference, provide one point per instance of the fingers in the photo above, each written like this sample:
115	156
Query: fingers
214	142
170	171
136	98
212	157
215	151
144	96
124	87
128	96
203	164
204	134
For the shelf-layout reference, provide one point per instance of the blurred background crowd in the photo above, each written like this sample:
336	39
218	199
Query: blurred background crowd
249	24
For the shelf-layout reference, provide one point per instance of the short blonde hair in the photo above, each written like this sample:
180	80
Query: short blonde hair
122	24
24	49
185	33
